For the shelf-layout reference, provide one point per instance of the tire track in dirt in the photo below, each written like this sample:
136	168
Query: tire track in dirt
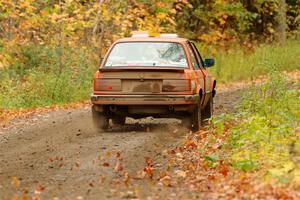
61	152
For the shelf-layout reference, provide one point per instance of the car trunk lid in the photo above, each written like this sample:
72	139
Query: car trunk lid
142	81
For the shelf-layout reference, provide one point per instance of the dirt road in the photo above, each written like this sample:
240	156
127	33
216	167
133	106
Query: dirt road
59	155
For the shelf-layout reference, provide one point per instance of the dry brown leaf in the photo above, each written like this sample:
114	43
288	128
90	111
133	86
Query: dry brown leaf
126	179
180	173
140	174
166	181
118	167
39	189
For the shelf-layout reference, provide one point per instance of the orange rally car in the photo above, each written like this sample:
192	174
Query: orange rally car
162	77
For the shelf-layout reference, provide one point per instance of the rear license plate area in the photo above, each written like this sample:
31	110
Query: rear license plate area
142	86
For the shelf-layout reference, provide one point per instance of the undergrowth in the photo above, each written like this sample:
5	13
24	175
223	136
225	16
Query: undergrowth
237	64
45	75
264	133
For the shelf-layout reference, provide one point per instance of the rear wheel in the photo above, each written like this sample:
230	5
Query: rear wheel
101	121
119	120
208	110
196	118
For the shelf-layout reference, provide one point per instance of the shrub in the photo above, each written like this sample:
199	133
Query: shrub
46	75
264	131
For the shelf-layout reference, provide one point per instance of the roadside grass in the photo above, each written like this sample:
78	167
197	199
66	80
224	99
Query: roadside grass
264	134
238	64
46	75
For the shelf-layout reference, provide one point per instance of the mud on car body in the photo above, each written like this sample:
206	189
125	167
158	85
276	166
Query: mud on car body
162	77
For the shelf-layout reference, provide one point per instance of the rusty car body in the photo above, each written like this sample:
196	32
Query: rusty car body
162	77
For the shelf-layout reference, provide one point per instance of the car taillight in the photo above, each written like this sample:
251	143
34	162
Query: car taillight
176	85
107	85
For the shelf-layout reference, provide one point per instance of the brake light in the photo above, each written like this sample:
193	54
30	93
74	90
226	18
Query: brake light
107	85
176	85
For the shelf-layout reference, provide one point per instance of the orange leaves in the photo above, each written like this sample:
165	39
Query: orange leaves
119	166
126	179
224	170
190	143
149	167
15	182
39	189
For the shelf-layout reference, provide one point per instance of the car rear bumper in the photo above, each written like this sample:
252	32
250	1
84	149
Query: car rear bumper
144	99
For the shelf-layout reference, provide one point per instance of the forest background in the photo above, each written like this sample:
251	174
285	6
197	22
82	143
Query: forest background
49	49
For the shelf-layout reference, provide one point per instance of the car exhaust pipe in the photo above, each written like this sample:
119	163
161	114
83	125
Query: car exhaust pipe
113	108
171	108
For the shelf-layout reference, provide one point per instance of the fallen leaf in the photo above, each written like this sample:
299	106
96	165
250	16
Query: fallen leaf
108	154
118	166
149	171
15	182
166	181
180	173
91	184
39	189
223	169
140	174
126	179
77	164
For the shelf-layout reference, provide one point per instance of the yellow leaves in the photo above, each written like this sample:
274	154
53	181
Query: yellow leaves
105	15
15	182
222	21
173	11
5	60
161	16
25	4
77	20
56	17
44	13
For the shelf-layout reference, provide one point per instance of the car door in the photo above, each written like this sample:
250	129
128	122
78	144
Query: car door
208	79
197	68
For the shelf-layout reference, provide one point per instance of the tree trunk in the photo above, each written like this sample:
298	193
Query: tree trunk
282	26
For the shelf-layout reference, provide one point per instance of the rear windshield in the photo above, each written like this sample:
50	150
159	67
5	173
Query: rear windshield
147	54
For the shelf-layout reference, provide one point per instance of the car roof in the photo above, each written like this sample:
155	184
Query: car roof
152	39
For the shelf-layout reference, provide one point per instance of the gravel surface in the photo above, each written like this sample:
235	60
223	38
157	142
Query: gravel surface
59	155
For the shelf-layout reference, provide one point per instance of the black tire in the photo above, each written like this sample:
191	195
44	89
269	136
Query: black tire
196	118
207	112
119	120
101	121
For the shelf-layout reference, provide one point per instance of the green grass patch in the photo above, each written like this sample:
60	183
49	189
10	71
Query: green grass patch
264	133
238	64
46	75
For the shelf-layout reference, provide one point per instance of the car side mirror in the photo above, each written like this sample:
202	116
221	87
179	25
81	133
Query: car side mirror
209	62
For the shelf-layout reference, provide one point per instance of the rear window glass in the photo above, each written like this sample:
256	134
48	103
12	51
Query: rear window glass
147	54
